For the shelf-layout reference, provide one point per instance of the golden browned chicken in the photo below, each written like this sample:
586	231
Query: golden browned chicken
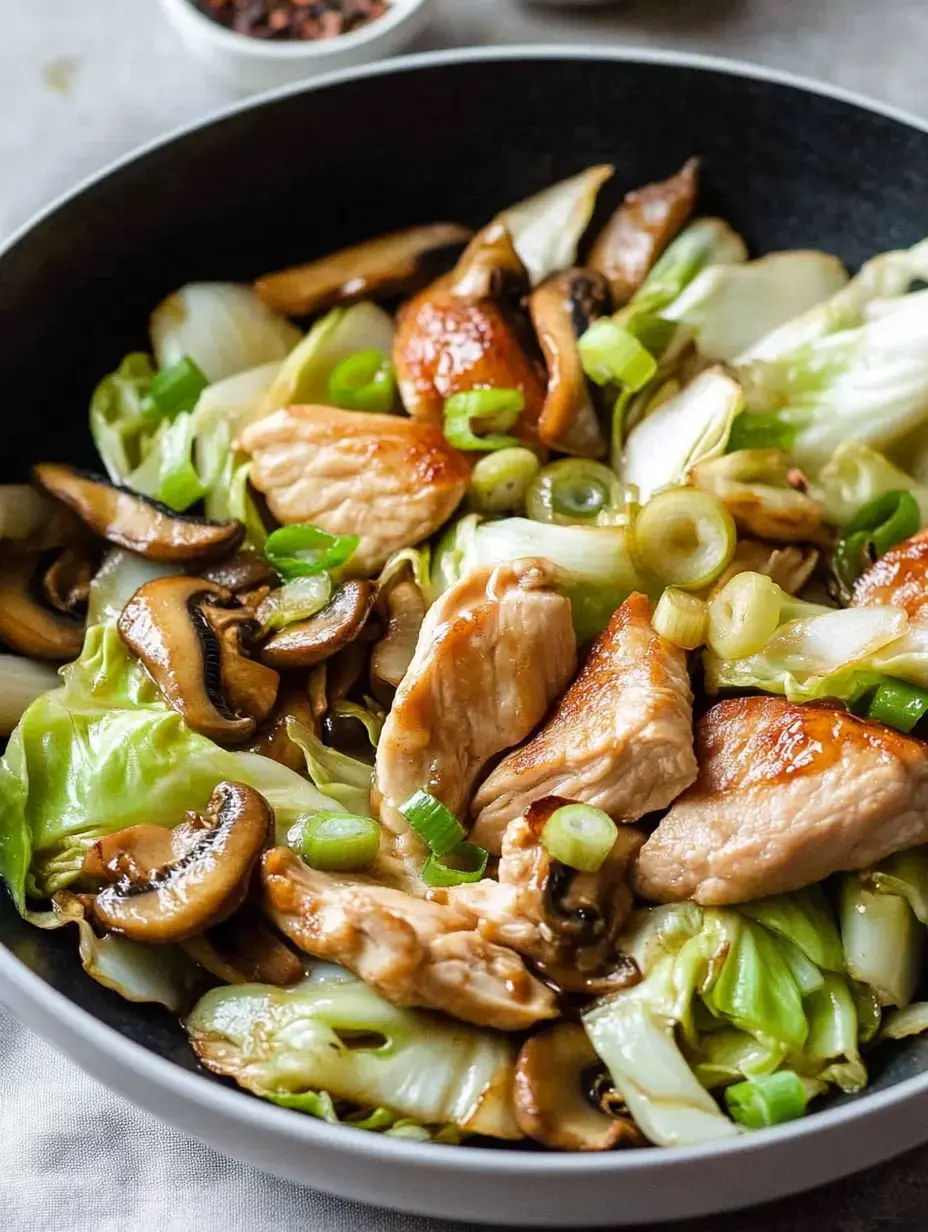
565	921
621	737
493	652
411	951
899	577
388	479
447	344
786	795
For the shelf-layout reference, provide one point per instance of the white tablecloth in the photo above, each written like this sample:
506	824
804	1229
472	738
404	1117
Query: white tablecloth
79	84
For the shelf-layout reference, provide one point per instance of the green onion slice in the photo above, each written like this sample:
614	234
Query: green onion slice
744	615
579	836
363	382
574	490
493	410
437	826
302	550
760	430
873	530
685	537
611	354
174	389
463	865
499	482
681	618
898	704
336	842
769	1100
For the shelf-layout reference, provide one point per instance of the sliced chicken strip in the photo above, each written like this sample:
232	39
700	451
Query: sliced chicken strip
899	577
786	795
446	345
621	737
565	921
493	652
412	952
388	479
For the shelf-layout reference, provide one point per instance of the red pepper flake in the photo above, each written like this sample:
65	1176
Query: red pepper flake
293	19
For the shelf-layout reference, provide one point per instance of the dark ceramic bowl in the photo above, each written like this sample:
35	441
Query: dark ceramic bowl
295	175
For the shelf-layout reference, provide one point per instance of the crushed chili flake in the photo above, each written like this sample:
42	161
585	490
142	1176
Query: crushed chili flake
293	19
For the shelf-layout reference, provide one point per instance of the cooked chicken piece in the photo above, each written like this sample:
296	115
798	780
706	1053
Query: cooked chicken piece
445	345
621	737
786	795
493	652
383	477
899	577
563	920
412	952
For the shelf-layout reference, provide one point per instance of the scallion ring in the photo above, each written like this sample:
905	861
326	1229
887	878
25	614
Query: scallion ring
302	550
579	836
685	537
363	382
437	826
463	865
174	389
873	530
336	842
898	705
611	354
494	411
572	491
499	482
681	618
768	1100
744	615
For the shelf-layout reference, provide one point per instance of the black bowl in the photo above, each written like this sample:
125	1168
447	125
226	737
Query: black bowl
297	174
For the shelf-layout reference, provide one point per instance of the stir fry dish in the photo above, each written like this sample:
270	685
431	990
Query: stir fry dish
484	691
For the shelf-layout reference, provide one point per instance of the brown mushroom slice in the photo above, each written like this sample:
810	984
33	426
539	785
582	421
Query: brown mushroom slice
137	522
66	584
488	267
244	572
405	605
135	852
562	309
189	636
205	885
554	1091
393	264
307	642
26	625
245	950
641	228
273	740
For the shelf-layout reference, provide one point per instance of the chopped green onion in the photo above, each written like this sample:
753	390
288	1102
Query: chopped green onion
469	865
681	618
873	530
302	550
612	354
174	389
336	842
499	481
363	382
765	1101
898	704
494	410
437	826
765	430
685	537
297	600
744	615
655	333
574	490
579	836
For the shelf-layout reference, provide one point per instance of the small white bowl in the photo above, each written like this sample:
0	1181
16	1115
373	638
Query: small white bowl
261	64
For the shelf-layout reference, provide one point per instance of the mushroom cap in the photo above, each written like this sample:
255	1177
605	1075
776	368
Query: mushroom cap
552	1090
205	885
137	522
27	625
405	606
307	642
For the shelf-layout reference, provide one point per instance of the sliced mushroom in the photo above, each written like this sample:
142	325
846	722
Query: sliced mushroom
137	522
244	572
790	566
245	950
489	267
272	739
66	584
405	610
205	885
190	634
307	642
554	1094
26	624
641	228
562	309
394	264
136	852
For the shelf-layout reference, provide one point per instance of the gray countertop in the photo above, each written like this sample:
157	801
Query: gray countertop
82	83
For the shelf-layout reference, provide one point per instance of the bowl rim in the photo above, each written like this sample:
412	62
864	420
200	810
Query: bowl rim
49	1008
287	50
